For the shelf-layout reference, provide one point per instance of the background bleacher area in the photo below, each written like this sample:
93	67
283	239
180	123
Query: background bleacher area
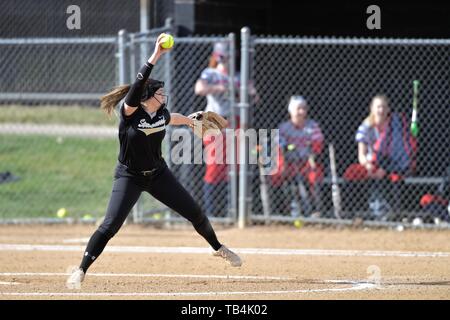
338	77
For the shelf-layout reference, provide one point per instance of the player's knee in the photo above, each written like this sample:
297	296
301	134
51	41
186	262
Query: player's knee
108	230
199	217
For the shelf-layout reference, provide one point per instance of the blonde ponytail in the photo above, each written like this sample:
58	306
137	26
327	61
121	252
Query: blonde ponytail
111	99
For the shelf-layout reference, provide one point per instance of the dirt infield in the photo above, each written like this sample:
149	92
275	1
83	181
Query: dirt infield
279	263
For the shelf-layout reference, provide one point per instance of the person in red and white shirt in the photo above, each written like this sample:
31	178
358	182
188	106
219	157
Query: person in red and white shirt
214	83
301	141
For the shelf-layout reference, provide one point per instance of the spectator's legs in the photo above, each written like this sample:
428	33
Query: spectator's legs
380	205
302	190
394	196
215	199
280	198
311	177
208	199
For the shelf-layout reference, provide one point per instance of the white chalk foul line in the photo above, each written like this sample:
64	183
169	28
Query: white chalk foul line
356	287
146	275
255	251
6	283
77	240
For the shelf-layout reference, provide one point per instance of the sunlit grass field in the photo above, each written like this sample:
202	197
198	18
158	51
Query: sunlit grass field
73	173
56	114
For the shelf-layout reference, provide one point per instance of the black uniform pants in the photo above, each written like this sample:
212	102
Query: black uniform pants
163	186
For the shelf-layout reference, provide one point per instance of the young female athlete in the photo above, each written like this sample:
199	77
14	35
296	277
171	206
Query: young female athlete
386	153
143	118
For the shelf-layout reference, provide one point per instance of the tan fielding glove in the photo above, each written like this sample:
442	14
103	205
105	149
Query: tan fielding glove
207	123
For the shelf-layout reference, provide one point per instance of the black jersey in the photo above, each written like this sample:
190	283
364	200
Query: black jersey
140	136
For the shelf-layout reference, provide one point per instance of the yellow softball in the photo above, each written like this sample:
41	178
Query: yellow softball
298	223
61	213
167	41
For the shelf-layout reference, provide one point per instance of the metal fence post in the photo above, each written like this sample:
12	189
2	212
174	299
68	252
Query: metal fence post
123	79
168	86
233	168
121	55
132	57
244	106
168	91
144	25
167	64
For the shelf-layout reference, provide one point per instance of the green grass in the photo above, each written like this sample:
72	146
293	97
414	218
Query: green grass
56	114
74	173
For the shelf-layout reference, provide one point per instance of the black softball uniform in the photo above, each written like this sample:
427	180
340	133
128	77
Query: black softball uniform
141	135
141	167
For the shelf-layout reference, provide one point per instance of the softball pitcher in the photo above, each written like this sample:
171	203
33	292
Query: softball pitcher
141	167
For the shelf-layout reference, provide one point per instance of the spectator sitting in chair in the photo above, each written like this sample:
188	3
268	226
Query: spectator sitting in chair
297	174
386	153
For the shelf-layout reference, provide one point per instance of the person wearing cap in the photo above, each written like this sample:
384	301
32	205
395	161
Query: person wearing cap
214	81
301	141
141	167
214	84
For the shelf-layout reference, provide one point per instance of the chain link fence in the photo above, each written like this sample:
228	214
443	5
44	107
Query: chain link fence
58	71
56	151
189	59
78	71
69	164
180	69
338	78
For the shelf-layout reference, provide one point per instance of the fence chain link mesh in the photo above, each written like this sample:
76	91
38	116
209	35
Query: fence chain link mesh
338	78
180	69
58	71
71	165
56	151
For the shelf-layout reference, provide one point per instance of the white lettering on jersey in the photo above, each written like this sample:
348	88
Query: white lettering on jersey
148	128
